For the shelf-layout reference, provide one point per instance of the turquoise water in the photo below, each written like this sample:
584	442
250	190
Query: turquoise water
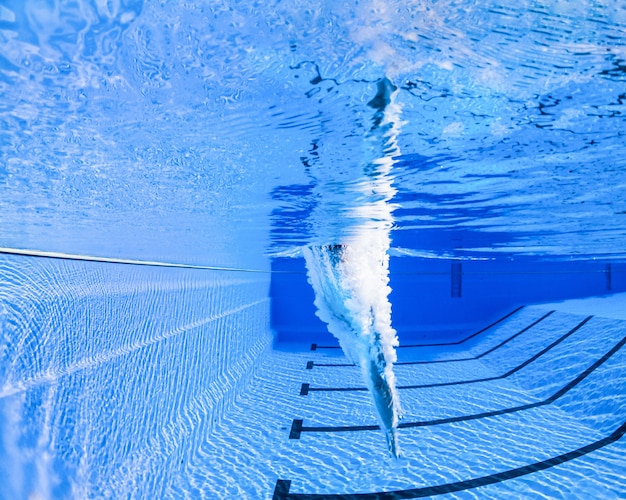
194	126
164	164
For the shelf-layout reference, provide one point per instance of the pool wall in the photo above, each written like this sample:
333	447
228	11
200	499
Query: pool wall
112	376
447	299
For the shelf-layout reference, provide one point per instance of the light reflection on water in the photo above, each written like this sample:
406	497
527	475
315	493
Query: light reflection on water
186	119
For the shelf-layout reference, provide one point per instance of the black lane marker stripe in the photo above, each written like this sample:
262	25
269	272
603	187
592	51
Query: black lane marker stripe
306	390
311	364
315	347
281	491
297	426
507	316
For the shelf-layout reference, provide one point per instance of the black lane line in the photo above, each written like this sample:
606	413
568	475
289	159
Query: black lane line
297	426
306	388
311	364
281	491
133	262
315	347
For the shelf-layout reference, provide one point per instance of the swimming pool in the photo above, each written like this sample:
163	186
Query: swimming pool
174	175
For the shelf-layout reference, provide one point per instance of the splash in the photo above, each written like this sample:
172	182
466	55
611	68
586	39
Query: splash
351	297
351	277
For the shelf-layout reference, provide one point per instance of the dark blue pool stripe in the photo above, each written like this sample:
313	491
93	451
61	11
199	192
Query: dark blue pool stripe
306	388
297	426
315	347
281	491
311	364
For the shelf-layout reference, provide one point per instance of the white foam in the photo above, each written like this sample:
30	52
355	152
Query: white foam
350	277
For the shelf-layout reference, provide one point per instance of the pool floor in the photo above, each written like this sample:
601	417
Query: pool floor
532	407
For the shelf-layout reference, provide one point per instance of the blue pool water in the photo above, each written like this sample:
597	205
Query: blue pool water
201	200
